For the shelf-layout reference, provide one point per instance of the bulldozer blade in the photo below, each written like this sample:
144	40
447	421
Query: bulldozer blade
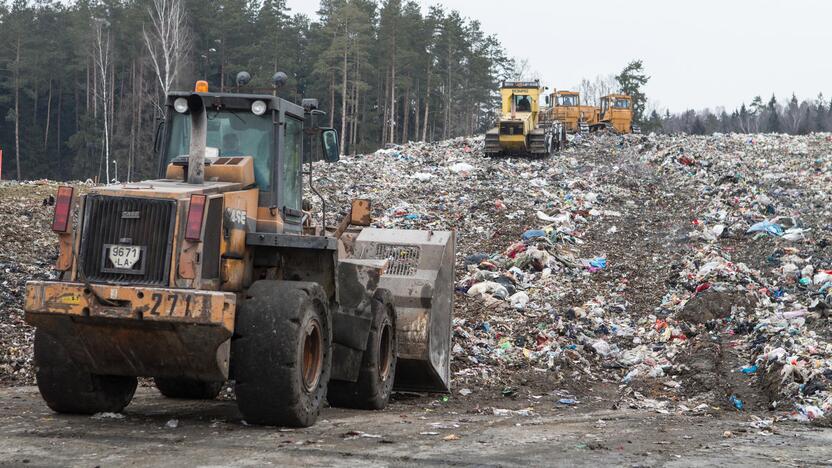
419	274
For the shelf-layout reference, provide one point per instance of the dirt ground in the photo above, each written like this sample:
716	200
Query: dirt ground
163	432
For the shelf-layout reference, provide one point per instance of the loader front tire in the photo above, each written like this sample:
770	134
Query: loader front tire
282	353
190	389
67	388
378	366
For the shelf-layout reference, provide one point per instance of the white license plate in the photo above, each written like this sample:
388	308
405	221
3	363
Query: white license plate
124	257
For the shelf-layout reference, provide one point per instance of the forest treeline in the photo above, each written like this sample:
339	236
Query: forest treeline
795	117
81	81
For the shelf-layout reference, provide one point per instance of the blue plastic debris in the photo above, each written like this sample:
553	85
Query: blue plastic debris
736	402
568	401
767	227
598	262
533	234
749	369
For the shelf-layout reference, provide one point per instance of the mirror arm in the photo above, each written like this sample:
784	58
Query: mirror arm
318	194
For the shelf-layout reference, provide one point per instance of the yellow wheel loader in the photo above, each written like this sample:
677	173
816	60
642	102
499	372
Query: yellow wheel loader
519	127
214	272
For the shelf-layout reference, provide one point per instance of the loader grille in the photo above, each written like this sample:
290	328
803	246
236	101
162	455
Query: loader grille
145	223
403	259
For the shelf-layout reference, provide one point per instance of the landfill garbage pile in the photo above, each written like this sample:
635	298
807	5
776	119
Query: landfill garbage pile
758	276
676	273
28	250
691	271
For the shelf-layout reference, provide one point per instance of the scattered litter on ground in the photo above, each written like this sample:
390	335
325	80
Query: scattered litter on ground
107	416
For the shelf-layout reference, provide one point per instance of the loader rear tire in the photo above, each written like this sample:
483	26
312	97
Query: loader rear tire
190	389
67	388
282	353
378	366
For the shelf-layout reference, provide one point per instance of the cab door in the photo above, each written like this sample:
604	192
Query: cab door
291	182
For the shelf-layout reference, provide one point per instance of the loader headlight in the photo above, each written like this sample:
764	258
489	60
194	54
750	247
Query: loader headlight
258	107
180	105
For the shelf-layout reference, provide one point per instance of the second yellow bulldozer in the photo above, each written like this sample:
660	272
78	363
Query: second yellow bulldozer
520	129
616	114
565	107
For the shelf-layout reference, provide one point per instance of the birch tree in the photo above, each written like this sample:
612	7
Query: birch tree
168	41
101	59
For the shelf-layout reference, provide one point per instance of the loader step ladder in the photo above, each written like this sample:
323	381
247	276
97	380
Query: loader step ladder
583	127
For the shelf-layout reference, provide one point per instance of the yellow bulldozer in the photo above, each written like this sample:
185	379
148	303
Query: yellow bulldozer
520	129
217	270
615	114
565	106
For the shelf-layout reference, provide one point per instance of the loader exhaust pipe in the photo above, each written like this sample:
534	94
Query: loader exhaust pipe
199	134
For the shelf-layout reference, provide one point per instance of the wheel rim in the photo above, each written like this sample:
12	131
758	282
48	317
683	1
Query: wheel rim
313	355
385	351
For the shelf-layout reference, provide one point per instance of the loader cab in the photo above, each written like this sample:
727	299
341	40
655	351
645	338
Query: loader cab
267	128
272	131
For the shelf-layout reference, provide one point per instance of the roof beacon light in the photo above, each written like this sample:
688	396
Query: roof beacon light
201	86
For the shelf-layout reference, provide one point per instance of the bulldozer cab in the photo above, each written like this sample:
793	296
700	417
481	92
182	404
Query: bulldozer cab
567	99
617	111
520	97
567	109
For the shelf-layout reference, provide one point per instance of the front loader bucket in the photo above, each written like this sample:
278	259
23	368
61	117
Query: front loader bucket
420	275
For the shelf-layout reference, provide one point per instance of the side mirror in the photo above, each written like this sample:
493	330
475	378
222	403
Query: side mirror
329	145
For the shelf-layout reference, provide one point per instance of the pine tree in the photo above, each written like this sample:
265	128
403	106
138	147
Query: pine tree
632	81
773	120
820	120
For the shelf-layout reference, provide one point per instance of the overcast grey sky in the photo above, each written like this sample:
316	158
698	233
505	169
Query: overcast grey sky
699	53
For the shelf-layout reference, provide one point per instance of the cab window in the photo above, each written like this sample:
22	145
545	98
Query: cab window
522	103
232	133
292	158
568	100
622	104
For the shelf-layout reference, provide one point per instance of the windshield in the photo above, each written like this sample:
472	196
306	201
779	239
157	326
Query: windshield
522	103
621	104
568	100
233	133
